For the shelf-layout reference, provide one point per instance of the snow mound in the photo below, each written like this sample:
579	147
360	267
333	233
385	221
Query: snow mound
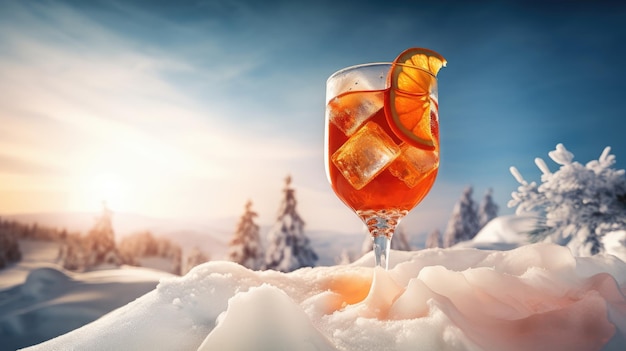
615	244
535	297
502	233
511	229
43	282
289	328
50	301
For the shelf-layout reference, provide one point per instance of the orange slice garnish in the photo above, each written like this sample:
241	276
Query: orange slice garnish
408	104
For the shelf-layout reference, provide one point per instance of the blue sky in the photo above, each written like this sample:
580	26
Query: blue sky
189	109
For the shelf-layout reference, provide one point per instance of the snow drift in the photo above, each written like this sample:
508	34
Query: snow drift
52	301
535	297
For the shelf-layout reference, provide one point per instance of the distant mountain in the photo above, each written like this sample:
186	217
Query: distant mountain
72	221
211	235
124	223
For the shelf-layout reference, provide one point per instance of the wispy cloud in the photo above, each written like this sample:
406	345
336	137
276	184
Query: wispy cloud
81	99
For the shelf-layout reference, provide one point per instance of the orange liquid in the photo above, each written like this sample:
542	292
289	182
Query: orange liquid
385	191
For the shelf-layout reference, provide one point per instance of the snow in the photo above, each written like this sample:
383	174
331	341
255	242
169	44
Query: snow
39	300
464	222
35	254
615	243
528	297
580	203
503	233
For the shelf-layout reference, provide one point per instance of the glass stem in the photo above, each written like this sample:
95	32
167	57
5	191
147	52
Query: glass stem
381	225
382	244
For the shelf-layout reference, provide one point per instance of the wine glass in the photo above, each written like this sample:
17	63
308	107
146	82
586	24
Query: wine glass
382	143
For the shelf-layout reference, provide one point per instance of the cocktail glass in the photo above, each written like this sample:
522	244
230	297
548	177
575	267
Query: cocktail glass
373	161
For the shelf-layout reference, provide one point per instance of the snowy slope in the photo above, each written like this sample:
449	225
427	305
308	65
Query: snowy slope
39	300
537	297
502	233
534	297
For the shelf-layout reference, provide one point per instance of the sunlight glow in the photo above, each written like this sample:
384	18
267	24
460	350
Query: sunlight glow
103	187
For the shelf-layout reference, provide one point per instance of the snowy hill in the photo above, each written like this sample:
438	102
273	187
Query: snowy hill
39	300
502	233
537	297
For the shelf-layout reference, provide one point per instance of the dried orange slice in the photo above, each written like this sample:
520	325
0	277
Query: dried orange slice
408	104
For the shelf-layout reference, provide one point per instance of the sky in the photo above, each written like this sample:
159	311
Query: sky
190	109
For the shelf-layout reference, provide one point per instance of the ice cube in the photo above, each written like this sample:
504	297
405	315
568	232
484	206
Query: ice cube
365	155
348	112
414	164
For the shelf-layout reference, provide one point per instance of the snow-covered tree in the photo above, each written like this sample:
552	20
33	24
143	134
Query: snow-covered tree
433	240
487	210
9	248
137	246
194	258
463	223
96	248
245	246
288	246
578	203
101	241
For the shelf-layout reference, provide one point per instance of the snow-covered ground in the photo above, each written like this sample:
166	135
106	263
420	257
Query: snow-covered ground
39	300
519	297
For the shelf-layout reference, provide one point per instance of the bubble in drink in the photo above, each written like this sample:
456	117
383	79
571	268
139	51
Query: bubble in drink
365	155
348	112
414	164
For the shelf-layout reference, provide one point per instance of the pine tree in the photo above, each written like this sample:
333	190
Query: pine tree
101	241
9	247
132	248
578	204
434	239
288	247
463	223
245	246
194	258
97	247
487	210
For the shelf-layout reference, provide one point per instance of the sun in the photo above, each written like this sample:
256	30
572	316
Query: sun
109	188
95	189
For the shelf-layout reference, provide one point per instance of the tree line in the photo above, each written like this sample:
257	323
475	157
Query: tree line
576	206
97	247
466	220
288	247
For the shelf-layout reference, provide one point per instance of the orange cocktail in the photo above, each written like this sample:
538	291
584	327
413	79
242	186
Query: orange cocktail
382	139
392	174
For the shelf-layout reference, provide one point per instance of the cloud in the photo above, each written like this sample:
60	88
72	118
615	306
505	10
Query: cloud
81	99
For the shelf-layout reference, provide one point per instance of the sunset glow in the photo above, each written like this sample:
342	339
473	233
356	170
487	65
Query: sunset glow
191	110
106	188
